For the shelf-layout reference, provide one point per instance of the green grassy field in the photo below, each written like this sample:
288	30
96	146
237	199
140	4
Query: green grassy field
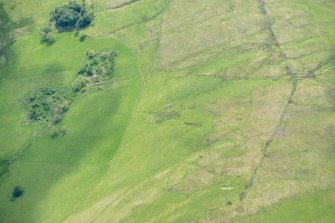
218	111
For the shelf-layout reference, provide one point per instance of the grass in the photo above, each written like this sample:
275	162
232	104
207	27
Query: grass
311	208
5	37
198	90
110	102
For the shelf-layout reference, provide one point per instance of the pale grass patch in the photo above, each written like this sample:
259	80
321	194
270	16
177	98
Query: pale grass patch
298	161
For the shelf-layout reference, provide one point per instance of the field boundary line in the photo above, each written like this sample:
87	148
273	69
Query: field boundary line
294	83
295	78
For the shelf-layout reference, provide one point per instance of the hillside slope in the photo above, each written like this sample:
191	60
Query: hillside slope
218	111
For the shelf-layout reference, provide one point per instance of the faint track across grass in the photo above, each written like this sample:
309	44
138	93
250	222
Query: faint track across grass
124	4
18	154
144	78
294	82
294	78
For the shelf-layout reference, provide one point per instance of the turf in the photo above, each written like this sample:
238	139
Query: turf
218	111
317	207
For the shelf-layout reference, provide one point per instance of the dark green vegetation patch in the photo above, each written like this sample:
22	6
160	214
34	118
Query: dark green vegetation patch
17	192
66	18
72	15
49	104
47	35
98	68
100	64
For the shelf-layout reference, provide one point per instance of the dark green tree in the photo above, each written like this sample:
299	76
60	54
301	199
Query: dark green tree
84	21
72	15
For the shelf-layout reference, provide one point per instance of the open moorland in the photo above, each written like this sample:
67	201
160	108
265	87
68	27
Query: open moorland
176	111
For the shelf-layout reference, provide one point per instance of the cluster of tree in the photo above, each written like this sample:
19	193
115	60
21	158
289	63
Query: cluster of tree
66	18
48	104
72	15
99	64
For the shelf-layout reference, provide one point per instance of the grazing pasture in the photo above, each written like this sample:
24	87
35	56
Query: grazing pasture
216	111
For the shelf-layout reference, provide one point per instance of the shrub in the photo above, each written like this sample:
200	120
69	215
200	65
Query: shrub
79	84
48	38
65	106
82	70
90	54
76	33
58	132
57	118
48	91
82	37
46	29
17	192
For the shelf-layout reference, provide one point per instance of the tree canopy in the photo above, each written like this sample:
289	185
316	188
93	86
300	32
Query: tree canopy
72	15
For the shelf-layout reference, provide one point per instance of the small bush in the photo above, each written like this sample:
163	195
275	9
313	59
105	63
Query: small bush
90	54
79	84
58	132
65	106
82	37
17	192
48	38
46	29
57	118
